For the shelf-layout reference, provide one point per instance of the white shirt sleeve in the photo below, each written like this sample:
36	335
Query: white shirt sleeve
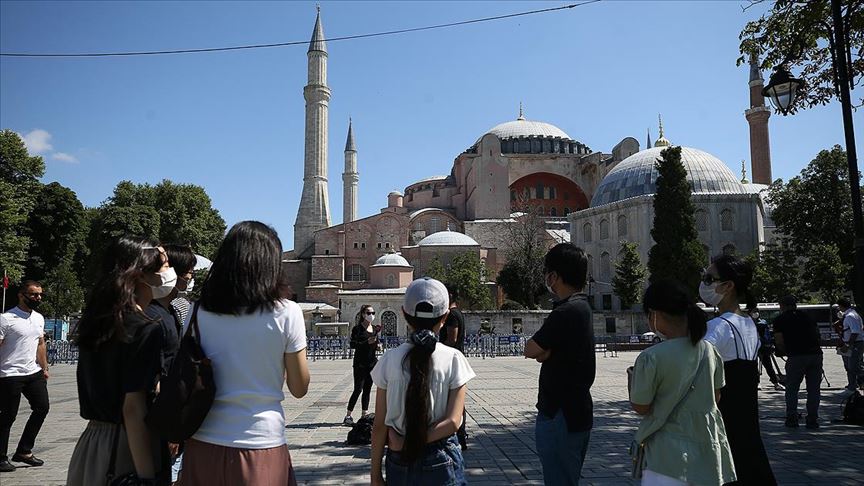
461	371
3	326
379	374
295	329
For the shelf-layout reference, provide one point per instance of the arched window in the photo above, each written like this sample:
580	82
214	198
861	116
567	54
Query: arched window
707	254
590	266
388	323
586	233
727	220
391	280
605	267
604	229
539	190
701	220
622	226
355	273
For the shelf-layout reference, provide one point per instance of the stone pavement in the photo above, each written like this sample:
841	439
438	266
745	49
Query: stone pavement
500	423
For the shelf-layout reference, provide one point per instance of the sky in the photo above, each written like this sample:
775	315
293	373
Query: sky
233	122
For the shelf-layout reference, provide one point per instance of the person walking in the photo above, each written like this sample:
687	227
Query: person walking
420	398
565	347
675	387
23	371
256	342
766	349
119	363
797	336
364	342
853	344
726	285
453	335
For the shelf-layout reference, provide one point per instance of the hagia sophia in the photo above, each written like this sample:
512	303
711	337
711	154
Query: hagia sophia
592	198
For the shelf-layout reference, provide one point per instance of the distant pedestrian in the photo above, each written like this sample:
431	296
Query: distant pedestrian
676	386
420	398
23	371
183	259
797	336
565	347
726	285
766	349
257	344
453	335
364	342
853	344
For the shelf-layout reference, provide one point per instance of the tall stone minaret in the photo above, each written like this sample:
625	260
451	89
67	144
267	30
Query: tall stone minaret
350	178
314	211
757	116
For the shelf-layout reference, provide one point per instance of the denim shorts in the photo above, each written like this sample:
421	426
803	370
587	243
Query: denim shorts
441	465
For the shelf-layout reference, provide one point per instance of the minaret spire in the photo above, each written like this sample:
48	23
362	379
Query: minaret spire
350	178
662	141
757	116
314	211
521	115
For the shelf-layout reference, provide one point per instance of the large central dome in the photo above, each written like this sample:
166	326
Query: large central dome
527	128
636	176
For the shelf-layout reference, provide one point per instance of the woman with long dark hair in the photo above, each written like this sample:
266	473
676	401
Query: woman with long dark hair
421	395
675	387
118	366
726	285
364	342
257	344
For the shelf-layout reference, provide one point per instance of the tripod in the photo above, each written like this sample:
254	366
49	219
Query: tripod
824	376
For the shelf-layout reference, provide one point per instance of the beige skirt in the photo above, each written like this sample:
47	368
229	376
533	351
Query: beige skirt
213	465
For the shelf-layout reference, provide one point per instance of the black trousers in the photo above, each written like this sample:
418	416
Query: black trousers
35	389
362	383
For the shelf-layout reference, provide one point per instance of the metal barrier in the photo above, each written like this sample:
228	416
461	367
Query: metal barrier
61	352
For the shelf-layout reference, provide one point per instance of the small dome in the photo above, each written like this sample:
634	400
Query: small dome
636	176
395	193
391	260
448	238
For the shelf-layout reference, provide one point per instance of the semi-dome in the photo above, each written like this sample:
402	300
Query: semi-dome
391	260
448	238
636	176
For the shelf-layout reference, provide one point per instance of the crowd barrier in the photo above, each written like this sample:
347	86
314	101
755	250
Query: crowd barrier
61	352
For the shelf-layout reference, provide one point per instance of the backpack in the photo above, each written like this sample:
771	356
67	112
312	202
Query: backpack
187	392
853	409
361	432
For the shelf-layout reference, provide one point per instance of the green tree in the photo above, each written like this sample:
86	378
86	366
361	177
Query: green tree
466	273
19	187
436	270
677	254
775	272
63	293
522	277
629	275
57	227
827	273
800	34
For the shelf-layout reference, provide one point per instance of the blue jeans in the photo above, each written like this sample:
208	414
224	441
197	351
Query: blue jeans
441	465
562	453
853	363
798	368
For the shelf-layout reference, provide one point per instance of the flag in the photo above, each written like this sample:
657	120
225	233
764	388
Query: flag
5	281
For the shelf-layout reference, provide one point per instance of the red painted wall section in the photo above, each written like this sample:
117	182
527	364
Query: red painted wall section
558	193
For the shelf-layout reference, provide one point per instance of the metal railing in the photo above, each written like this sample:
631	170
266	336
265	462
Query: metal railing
61	352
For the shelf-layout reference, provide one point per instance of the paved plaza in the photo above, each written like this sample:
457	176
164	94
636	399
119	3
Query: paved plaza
501	413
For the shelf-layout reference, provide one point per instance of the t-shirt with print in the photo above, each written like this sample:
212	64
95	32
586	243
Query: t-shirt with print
117	367
744	338
448	370
567	375
800	333
20	332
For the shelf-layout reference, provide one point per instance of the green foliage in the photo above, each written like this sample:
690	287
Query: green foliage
629	275
775	272
436	270
519	289
522	277
19	187
677	254
57	230
466	273
800	34
827	272
63	293
512	305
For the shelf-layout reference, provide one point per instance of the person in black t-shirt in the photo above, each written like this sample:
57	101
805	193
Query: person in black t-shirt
119	363
453	334
565	347
797	336
364	342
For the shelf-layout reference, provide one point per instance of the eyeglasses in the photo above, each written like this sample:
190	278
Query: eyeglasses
709	279
370	313
35	295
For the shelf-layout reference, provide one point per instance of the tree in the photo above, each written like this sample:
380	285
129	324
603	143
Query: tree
629	275
466	274
57	227
19	186
776	272
522	277
436	270
800	34
63	292
677	254
827	272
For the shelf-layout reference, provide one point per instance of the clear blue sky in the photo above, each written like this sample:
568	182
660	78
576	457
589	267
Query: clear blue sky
233	122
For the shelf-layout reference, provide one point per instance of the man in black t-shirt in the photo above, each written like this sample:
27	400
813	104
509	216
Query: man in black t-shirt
797	336
453	335
565	347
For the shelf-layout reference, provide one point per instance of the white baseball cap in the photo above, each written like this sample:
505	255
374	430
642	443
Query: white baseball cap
429	291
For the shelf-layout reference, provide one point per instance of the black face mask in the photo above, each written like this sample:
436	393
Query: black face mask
33	304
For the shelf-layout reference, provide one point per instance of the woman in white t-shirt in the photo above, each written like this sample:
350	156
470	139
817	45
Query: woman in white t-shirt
726	285
256	342
420	398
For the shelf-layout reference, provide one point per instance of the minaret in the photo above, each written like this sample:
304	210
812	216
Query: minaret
648	145
350	178
662	141
314	211
757	116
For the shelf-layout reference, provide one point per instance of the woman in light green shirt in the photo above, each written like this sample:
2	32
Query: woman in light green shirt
682	429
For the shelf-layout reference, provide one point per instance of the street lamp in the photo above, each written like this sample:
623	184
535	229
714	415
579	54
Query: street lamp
782	88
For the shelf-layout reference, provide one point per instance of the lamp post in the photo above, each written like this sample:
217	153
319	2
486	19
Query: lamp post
781	89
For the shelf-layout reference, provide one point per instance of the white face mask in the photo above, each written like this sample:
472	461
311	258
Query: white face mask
369	317
549	287
168	279
709	294
190	285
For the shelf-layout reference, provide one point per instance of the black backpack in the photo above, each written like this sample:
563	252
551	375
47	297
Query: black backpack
187	392
853	409
361	432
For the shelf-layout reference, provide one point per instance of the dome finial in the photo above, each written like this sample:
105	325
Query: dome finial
660	120
521	116
744	173
662	141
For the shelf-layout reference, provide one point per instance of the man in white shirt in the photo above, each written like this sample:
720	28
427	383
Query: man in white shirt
853	340
23	371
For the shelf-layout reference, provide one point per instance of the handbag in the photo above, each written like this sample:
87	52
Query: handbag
637	450
187	392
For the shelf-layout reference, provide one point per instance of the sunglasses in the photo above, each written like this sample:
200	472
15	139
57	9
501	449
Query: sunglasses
370	313
709	279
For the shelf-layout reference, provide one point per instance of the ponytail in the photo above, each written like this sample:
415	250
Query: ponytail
697	323
740	273
417	411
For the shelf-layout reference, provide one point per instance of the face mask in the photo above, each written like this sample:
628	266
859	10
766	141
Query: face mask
549	287
32	304
166	285
369	317
190	285
709	294
653	327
